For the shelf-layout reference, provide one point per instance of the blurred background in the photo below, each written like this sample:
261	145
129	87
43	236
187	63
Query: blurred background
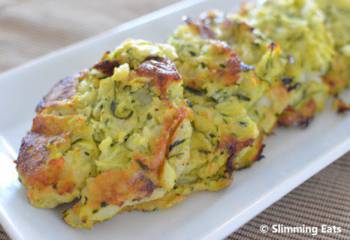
31	28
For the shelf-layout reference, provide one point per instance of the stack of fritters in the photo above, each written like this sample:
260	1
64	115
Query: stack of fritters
151	123
223	132
298	27
337	15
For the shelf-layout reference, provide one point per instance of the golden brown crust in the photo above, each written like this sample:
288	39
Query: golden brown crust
233	147
42	163
117	186
32	154
37	169
60	92
200	28
341	106
233	68
260	148
106	67
52	125
337	78
171	124
301	117
161	71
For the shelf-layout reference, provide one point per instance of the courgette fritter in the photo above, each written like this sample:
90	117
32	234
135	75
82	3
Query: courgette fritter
298	27
110	136
215	77
210	63
224	136
267	58
139	117
337	14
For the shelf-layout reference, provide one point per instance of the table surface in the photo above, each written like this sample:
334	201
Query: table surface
31	28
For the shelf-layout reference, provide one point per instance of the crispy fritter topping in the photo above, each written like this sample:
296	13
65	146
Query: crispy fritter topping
233	147
161	71
341	105
301	117
60	92
106	67
200	28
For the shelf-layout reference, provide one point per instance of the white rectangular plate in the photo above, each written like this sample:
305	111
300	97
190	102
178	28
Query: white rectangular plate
292	155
